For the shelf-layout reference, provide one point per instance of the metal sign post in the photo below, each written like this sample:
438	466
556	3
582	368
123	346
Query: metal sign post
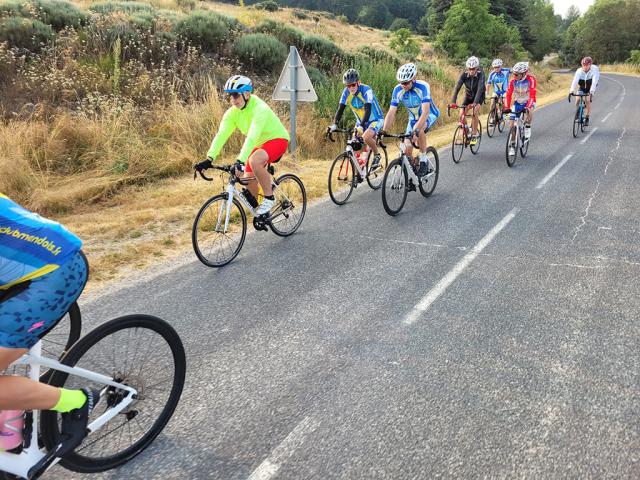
294	85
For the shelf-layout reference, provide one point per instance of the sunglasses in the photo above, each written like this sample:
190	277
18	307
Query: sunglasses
405	83
234	95
351	85
473	69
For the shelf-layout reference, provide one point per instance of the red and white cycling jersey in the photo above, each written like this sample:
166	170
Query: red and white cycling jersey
522	91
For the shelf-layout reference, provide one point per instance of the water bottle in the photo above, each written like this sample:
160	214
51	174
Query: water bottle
11	426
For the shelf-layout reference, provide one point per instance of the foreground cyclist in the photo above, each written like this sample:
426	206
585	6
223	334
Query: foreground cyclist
267	139
587	78
473	80
415	95
499	80
522	92
364	105
42	272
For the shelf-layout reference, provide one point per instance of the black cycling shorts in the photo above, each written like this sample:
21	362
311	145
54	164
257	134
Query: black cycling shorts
470	100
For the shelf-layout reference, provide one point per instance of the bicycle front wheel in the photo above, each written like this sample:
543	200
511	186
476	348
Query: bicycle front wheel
475	148
394	187
429	181
375	177
139	351
457	145
341	182
217	237
576	123
512	140
290	207
492	122
524	143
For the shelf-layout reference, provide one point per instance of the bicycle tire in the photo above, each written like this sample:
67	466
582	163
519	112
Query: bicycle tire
524	144
82	463
374	179
348	183
512	133
475	148
290	200
576	122
395	179
459	143
428	185
197	247
502	122
492	115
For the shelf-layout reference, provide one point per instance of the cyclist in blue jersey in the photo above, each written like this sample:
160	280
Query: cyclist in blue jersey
364	105
499	80
42	272
415	95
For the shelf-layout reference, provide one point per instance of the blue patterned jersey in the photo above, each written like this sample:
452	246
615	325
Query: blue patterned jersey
499	80
356	103
30	245
413	99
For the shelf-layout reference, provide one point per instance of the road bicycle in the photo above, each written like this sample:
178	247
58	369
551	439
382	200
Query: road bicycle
495	117
138	364
578	118
462	136
346	172
516	138
400	178
220	227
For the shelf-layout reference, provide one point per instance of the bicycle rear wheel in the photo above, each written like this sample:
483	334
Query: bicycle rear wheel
291	205
341	182
394	187
458	144
214	245
140	351
502	122
429	181
492	122
475	148
375	178
511	159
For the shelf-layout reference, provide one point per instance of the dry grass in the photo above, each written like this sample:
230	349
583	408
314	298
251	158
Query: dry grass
622	68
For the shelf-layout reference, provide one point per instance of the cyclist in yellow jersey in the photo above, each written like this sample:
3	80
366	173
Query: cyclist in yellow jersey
266	138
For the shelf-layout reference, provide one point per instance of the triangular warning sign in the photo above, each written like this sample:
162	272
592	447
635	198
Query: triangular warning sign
304	87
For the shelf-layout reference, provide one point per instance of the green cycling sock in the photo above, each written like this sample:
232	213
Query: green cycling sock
70	400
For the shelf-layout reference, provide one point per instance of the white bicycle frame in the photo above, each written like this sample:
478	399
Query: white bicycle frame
519	124
406	164
360	168
20	463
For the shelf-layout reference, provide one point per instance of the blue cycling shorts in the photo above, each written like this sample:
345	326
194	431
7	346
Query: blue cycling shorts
376	125
431	119
518	107
30	314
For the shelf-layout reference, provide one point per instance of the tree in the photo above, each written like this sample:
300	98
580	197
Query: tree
375	14
399	23
436	13
539	33
405	44
513	10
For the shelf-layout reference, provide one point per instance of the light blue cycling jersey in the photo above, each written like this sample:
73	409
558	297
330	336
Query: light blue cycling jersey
356	103
413	99
31	246
499	80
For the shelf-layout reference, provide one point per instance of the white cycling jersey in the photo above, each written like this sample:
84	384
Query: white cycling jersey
587	80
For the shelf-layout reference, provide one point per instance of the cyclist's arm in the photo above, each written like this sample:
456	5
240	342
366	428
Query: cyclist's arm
454	99
507	104
533	84
574	84
257	125
367	113
595	80
227	127
481	88
339	113
390	118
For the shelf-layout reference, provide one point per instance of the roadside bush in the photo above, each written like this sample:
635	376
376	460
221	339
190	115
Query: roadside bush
399	23
378	55
325	53
186	4
268	5
634	57
404	43
317	77
260	52
127	7
208	30
60	14
286	34
300	15
14	8
25	33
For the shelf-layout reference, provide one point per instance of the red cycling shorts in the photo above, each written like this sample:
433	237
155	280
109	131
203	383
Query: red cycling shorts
275	149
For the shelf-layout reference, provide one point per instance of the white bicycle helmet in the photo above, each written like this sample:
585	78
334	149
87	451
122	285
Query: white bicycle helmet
472	62
496	63
407	72
350	76
521	67
238	84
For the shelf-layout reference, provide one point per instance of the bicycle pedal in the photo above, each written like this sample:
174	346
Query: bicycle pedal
45	462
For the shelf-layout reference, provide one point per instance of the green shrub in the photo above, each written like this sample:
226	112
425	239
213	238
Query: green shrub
300	15
399	23
143	19
378	55
186	4
325	52
25	33
405	44
342	19
14	8
57	13
208	30
269	5
286	34
317	77
127	7
260	52
634	57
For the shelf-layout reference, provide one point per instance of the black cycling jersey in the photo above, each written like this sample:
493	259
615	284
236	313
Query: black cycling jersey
474	87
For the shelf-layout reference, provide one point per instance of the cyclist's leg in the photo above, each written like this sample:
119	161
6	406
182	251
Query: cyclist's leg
257	164
24	318
587	100
529	119
407	142
369	135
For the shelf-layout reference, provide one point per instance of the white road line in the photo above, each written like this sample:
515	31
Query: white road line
584	140
450	277
617	106
555	170
607	117
268	469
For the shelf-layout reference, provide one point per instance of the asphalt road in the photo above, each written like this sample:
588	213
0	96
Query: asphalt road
490	331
